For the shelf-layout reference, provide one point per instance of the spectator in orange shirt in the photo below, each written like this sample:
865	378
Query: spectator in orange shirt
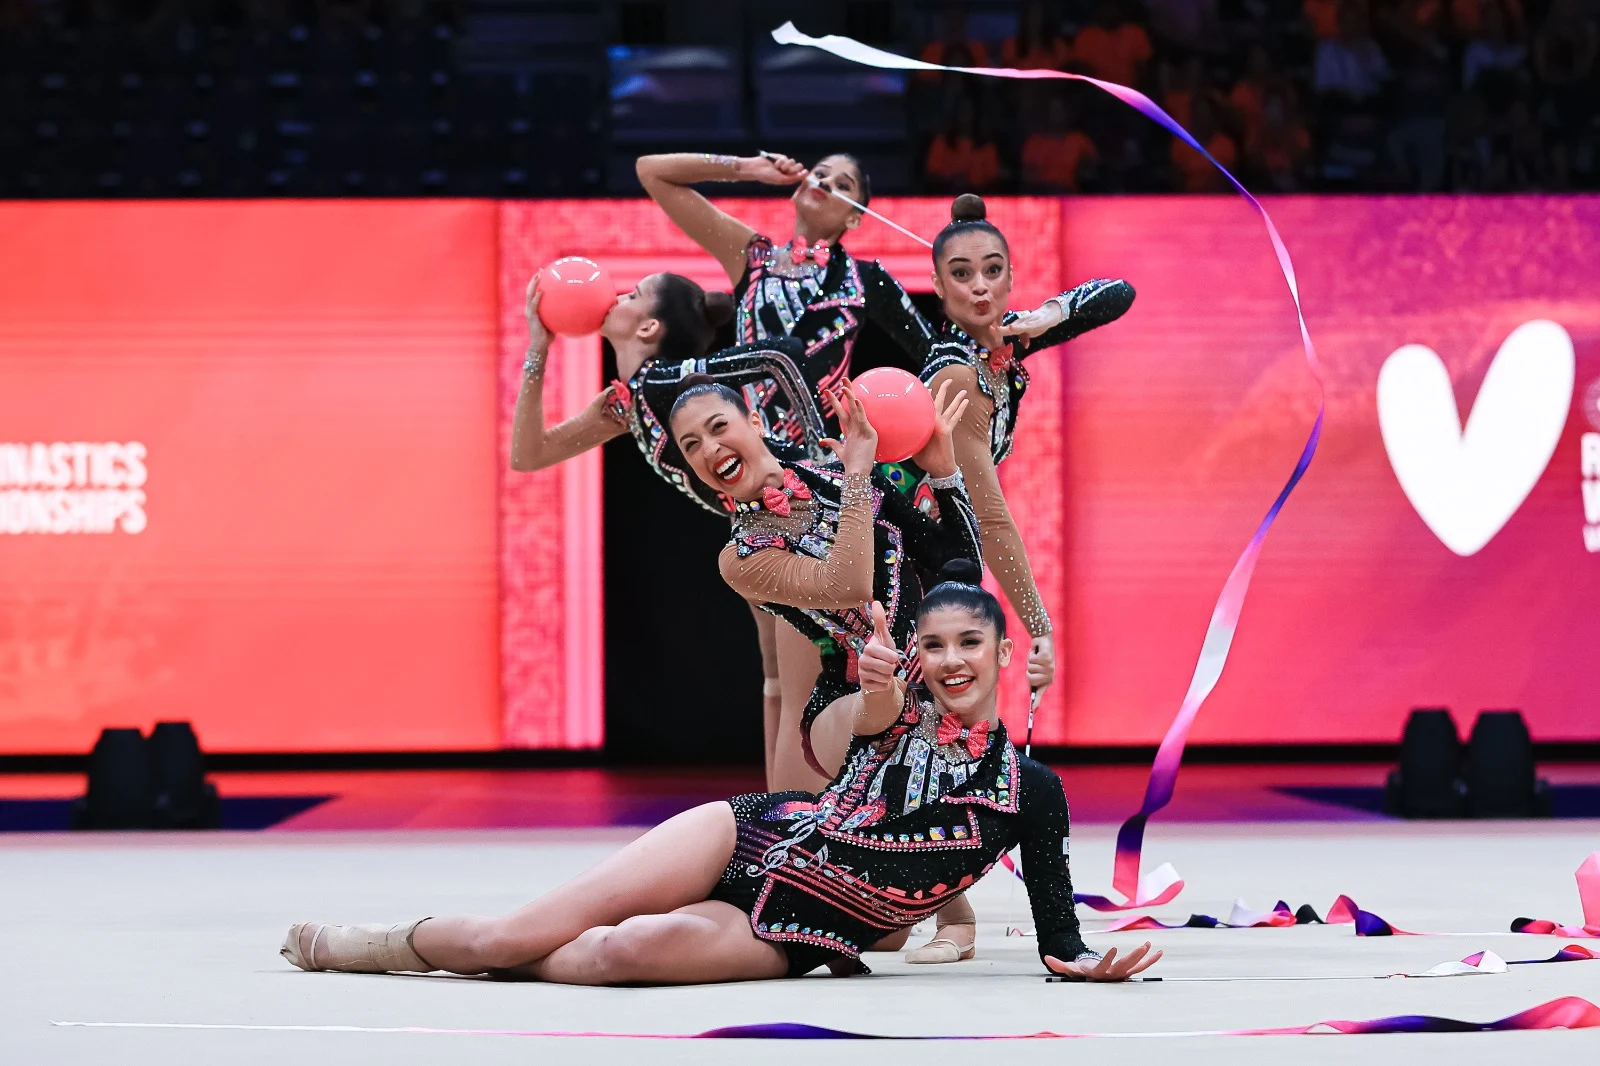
961	159
1276	156
1193	172
1057	158
1112	48
955	48
1038	44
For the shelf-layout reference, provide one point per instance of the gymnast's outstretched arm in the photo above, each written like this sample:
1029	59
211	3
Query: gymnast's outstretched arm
533	447
667	179
1003	550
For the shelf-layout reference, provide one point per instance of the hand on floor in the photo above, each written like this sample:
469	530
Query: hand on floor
1110	968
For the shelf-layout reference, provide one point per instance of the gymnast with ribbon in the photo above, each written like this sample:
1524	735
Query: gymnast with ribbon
931	793
809	288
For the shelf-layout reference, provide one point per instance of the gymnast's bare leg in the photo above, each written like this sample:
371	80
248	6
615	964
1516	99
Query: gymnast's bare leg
641	916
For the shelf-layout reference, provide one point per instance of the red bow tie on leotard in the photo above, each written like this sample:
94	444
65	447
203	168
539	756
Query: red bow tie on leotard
777	500
1002	357
951	731
817	253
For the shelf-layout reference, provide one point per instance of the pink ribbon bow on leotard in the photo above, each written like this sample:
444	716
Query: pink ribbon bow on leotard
777	500
799	253
976	738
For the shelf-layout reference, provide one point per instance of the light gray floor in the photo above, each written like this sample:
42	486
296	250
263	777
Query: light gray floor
167	929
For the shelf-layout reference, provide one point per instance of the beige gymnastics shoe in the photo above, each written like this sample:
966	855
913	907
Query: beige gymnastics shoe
944	948
368	948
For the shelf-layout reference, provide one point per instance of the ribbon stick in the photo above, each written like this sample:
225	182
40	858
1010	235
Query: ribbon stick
1225	616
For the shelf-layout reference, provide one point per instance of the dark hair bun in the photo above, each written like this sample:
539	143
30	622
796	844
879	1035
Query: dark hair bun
719	309
968	207
691	381
962	570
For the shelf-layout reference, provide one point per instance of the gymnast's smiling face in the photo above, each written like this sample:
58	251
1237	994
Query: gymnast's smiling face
973	279
722	444
961	655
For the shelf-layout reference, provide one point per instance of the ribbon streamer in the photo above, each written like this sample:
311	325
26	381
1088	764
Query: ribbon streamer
1545	927
1159	886
1568	1012
1225	616
1588	877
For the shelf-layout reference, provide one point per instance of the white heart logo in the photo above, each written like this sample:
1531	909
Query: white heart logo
1467	483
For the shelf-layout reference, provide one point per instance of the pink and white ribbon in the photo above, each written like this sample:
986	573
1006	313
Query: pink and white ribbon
1225	616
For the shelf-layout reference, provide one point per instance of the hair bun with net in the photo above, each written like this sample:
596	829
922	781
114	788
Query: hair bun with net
962	570
968	207
691	381
719	309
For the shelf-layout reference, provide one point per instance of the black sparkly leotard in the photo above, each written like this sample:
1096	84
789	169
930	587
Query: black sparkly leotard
823	307
1002	377
767	370
906	824
907	548
996	383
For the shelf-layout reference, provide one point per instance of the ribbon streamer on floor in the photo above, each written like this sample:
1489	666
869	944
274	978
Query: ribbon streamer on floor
1568	1012
1343	912
1225	616
1588	877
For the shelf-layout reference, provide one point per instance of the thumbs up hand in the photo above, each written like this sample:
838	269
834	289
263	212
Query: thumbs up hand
880	659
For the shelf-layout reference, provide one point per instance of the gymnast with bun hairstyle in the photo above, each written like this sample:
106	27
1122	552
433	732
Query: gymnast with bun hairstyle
931	793
981	351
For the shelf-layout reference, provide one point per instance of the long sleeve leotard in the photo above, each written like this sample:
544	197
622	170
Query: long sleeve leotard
640	405
906	824
848	541
822	306
995	383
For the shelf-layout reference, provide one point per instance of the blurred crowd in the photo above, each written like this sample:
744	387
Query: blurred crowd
375	97
1292	95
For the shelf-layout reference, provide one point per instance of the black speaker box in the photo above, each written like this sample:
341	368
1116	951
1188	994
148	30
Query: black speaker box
121	793
155	783
1428	782
1501	780
184	799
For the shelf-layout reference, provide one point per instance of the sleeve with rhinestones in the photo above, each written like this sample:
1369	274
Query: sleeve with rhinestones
931	544
892	310
775	359
533	447
1046	870
1088	306
1002	543
841	580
